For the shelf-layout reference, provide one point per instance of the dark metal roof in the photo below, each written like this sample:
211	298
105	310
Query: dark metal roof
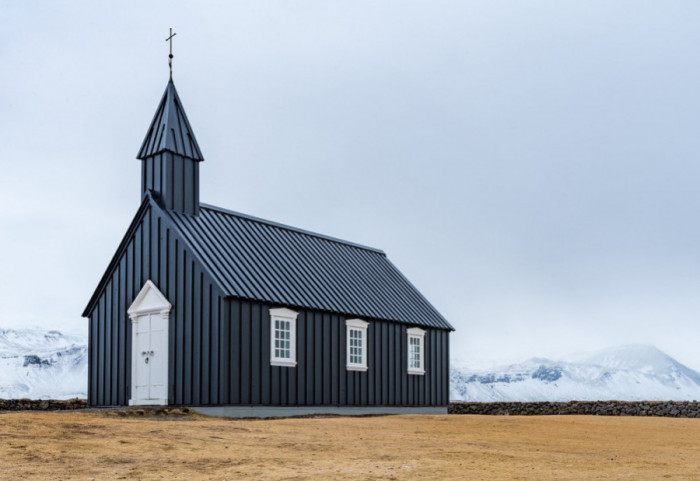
170	130
253	258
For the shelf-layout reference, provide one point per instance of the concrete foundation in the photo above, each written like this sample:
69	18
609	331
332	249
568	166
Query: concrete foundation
290	411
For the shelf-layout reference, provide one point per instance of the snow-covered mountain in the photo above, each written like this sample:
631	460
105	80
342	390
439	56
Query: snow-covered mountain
40	364
627	373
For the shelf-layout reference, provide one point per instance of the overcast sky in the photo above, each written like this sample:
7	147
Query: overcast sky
532	167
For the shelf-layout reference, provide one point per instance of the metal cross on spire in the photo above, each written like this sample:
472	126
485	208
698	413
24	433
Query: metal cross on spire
170	57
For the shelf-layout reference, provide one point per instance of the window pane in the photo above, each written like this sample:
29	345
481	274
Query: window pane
355	340
414	351
282	339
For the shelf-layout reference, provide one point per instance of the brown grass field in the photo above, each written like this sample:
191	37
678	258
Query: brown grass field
99	446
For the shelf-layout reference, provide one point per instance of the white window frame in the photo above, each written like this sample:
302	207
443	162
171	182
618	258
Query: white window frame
284	314
416	333
357	325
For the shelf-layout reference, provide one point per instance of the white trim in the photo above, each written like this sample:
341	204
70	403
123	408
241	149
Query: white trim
284	314
161	302
416	333
357	325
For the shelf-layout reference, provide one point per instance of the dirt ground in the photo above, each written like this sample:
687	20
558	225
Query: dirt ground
95	446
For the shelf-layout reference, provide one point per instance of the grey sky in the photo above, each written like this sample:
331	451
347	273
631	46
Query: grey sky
531	166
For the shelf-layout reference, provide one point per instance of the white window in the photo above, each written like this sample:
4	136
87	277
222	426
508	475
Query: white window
356	344
416	351
283	337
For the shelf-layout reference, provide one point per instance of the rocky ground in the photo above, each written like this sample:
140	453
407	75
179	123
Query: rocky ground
675	409
42	404
683	409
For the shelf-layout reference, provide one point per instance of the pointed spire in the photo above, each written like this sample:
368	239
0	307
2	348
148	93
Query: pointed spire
170	130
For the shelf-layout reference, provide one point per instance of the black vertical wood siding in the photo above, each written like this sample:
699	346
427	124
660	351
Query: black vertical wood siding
320	377
156	252
174	179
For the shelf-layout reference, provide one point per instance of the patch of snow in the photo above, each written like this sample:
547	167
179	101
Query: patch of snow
40	364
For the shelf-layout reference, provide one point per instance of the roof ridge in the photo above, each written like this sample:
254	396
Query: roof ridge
291	228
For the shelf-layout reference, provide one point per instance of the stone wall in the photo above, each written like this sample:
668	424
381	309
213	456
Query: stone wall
41	404
677	409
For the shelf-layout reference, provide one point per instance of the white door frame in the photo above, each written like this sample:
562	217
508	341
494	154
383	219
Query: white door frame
149	303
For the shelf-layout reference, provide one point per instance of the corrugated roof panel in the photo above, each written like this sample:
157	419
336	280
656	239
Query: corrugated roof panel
326	288
289	266
205	248
170	130
258	259
360	289
218	249
268	272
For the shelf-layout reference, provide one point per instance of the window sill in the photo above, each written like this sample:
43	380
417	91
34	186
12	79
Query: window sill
416	373
283	363
356	368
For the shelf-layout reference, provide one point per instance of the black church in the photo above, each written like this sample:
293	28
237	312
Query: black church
202	306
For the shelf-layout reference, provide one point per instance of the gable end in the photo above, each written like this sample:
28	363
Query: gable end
148	206
133	226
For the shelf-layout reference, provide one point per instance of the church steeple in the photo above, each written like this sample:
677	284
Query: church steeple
171	156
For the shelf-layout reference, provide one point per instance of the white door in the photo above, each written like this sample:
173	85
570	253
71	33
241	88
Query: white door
149	359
